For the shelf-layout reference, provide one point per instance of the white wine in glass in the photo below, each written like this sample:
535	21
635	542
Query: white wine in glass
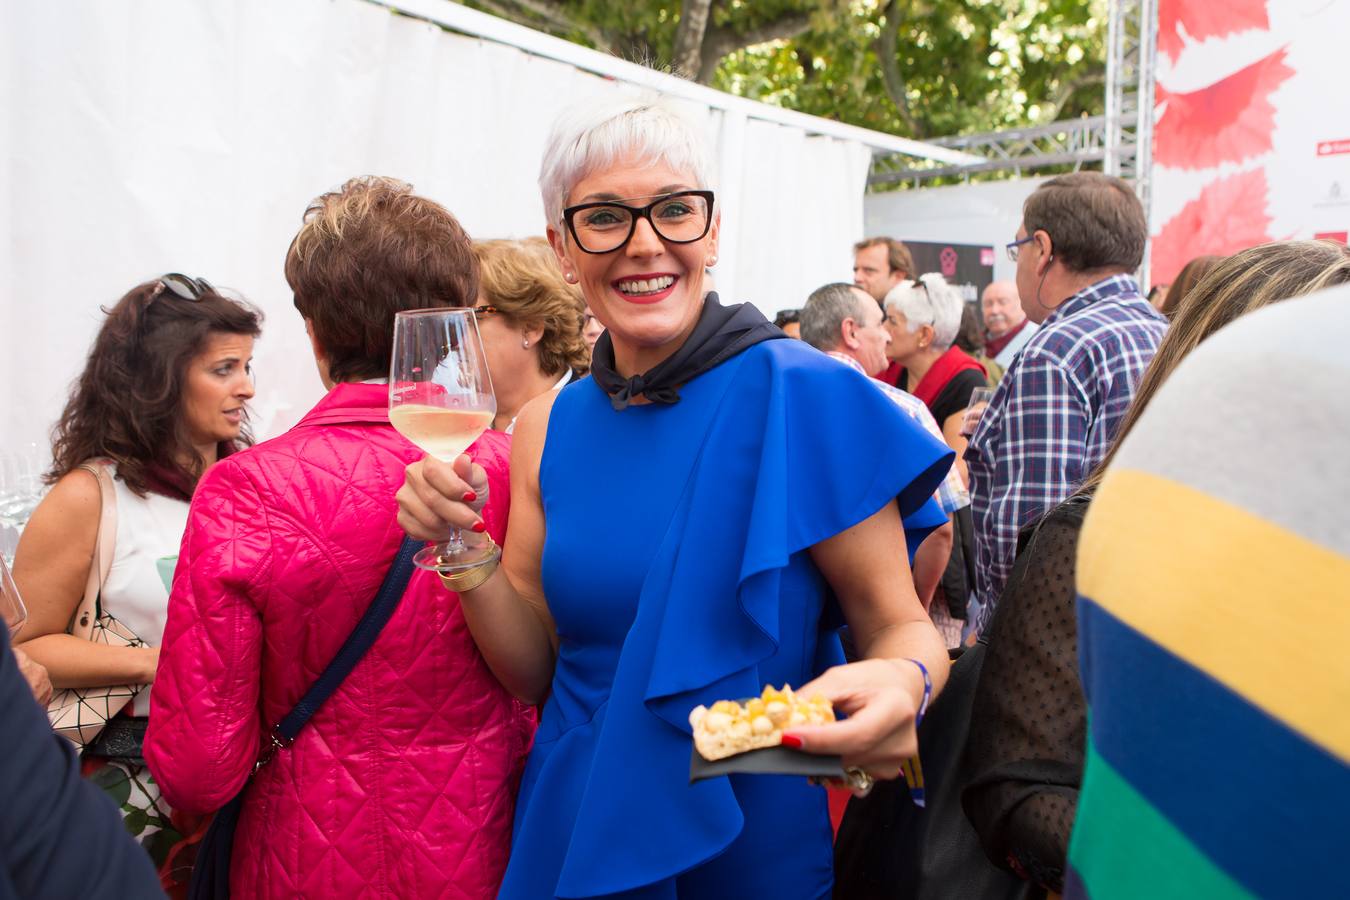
440	398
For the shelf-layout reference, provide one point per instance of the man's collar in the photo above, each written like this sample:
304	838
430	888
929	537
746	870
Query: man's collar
1109	287
846	360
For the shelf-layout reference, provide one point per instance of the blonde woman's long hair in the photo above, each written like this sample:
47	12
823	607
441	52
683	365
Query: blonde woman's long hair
1240	284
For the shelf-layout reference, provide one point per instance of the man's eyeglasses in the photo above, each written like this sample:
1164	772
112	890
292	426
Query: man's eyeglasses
681	218
185	287
1016	246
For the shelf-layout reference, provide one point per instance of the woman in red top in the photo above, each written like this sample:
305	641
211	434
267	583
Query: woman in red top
923	318
403	783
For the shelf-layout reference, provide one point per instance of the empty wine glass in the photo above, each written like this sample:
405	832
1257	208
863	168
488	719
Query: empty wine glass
440	398
21	485
11	604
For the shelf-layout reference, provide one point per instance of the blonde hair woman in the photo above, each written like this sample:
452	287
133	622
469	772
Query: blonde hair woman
531	322
654	563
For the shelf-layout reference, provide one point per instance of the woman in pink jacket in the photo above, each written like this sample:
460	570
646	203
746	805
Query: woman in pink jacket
402	784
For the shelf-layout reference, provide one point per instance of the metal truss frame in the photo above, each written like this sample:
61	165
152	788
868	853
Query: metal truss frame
1017	150
1121	141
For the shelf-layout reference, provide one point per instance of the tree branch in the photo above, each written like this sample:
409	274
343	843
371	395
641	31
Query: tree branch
688	55
807	62
721	40
550	17
887	57
1067	91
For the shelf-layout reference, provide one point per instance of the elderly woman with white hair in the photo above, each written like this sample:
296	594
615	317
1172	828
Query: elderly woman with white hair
654	563
923	318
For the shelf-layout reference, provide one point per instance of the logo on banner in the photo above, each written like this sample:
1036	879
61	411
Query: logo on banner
986	256
1333	148
947	259
1335	196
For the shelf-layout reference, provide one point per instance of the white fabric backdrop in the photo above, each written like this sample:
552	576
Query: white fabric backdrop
987	212
147	136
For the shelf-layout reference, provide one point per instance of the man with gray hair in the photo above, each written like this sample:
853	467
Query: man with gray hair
844	322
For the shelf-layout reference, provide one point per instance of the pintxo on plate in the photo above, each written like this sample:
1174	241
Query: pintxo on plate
729	727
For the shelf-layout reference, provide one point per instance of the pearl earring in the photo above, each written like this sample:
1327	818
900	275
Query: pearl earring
525	342
712	260
570	278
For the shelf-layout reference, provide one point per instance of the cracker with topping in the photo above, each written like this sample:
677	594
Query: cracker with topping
729	727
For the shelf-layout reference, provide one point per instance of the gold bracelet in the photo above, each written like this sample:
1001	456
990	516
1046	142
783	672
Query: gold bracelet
469	579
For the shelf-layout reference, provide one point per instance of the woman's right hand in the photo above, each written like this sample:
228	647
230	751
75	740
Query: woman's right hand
438	496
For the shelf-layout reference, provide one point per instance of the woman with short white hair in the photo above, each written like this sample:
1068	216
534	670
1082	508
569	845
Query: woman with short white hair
653	562
923	318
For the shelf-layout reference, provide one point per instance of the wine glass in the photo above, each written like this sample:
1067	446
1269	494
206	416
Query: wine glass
21	489
11	604
440	398
20	484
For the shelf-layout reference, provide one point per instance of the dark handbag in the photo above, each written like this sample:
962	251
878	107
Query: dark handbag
889	849
211	876
122	739
958	579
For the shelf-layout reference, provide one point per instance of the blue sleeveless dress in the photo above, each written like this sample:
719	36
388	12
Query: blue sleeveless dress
675	566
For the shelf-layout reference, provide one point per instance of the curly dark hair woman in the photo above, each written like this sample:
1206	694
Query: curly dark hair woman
127	405
161	398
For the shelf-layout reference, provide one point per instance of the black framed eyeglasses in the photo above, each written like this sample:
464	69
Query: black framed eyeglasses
681	218
1016	245
185	287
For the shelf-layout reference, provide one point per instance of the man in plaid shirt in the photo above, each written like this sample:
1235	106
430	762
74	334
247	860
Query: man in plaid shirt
1061	400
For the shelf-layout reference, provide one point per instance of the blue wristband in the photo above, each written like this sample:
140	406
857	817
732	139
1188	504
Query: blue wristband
912	768
927	691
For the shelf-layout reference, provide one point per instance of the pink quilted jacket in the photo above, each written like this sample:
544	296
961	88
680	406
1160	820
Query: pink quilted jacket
403	784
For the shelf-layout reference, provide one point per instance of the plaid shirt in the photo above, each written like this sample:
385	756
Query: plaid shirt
951	494
1053	416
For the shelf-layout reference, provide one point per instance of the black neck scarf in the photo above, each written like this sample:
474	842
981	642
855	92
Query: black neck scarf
721	333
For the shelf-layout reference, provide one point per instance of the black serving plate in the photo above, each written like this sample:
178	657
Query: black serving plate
766	761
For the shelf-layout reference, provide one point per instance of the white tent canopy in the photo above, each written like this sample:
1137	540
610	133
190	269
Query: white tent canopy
148	136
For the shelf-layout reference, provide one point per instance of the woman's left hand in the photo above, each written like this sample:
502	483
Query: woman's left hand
36	675
881	698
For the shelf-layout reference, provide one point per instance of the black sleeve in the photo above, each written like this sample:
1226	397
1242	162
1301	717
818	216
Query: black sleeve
1023	764
955	397
59	835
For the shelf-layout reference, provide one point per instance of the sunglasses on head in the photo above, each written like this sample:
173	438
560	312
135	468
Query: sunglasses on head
185	287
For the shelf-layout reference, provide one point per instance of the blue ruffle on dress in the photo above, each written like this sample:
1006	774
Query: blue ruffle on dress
675	566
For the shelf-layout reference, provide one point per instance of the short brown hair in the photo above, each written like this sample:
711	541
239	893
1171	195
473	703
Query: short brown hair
1095	221
523	280
1187	279
366	251
898	256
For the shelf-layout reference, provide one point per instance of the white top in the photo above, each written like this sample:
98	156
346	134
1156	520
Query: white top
562	383
149	528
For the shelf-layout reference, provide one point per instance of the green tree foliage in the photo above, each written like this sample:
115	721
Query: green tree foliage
918	68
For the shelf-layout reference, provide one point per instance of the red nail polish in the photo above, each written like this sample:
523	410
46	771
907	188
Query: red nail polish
479	526
791	740
469	497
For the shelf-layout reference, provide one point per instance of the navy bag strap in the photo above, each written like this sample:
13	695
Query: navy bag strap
379	612
211	874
